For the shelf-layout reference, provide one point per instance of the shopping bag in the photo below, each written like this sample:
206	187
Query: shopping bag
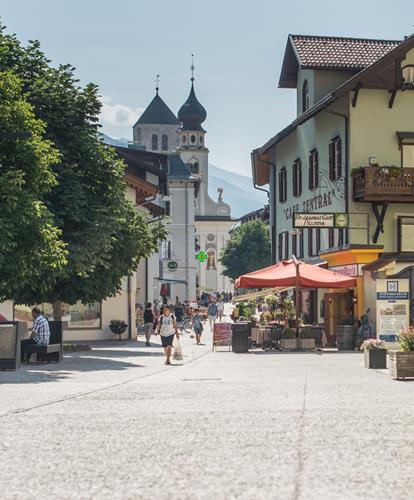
178	352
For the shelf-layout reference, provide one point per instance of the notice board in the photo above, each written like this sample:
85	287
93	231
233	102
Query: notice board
222	335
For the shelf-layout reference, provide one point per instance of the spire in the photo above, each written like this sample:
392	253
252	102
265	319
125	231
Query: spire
192	114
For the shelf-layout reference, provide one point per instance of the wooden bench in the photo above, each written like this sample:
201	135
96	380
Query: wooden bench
48	352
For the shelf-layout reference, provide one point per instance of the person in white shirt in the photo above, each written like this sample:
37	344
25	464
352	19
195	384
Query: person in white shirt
167	329
220	310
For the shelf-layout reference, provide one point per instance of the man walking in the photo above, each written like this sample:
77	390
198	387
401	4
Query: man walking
167	328
212	314
220	310
40	331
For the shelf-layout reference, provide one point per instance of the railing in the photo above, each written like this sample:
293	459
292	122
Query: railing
383	184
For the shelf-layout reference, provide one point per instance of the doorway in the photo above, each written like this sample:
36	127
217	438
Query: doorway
337	306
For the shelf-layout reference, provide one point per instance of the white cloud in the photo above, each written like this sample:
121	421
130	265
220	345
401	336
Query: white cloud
118	115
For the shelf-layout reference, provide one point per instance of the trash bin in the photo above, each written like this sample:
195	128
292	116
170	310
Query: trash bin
345	337
240	337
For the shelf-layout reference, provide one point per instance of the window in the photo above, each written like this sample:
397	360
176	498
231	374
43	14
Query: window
314	241
310	242
282	185
194	167
407	155
305	96
408	75
78	316
283	245
297	243
193	139
313	169
331	237
154	142
184	139
297	178
406	234
164	142
165	250
335	159
201	139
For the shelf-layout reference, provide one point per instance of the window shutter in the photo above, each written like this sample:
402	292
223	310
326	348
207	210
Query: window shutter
310	242
286	244
279	249
316	170
338	158
301	243
318	241
294	244
310	172
300	177
331	161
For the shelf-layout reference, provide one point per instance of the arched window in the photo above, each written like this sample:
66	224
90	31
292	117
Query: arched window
408	75
201	139
164	142
184	139
193	138
195	168
154	142
305	96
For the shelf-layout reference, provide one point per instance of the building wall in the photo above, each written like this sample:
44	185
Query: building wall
142	136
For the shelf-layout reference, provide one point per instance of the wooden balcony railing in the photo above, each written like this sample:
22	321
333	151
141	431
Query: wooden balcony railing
382	184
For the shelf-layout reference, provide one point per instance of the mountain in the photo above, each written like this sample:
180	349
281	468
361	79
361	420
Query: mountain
239	192
114	142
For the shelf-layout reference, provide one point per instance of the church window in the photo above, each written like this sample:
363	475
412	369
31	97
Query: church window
184	139
201	139
194	167
193	139
164	142
154	142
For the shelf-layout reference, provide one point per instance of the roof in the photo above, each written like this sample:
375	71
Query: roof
351	84
192	113
215	218
157	113
178	170
329	52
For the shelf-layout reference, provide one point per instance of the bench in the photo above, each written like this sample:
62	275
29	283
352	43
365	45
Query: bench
49	352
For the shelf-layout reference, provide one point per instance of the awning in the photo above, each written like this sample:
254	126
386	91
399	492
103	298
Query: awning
284	274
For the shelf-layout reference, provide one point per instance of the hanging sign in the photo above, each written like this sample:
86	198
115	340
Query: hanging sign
336	220
172	265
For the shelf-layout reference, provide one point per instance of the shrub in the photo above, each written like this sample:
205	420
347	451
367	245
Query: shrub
307	333
406	339
288	333
372	344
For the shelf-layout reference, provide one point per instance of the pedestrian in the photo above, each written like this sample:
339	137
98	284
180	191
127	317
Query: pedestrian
212	314
220	310
197	324
149	319
167	328
40	331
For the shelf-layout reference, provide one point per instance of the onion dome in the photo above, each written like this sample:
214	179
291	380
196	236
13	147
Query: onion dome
192	113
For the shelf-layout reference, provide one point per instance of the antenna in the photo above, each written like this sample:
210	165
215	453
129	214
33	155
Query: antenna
192	67
157	83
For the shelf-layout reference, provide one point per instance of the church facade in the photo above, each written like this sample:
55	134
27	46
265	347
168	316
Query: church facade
197	222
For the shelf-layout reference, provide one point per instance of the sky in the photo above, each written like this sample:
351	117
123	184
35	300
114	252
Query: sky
238	46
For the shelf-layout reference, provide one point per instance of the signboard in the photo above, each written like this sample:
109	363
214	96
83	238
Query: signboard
334	220
393	306
222	334
172	265
351	270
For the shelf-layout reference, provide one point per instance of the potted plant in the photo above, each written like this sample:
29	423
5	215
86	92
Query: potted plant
288	342
402	361
306	339
118	327
375	353
290	311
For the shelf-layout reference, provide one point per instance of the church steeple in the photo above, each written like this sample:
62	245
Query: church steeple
192	114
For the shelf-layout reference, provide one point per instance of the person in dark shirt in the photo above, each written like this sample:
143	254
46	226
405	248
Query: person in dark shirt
148	323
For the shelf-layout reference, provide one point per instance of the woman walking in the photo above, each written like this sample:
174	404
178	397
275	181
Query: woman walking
148	323
196	323
167	328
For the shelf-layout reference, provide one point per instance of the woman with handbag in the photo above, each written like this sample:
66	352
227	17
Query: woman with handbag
197	324
167	329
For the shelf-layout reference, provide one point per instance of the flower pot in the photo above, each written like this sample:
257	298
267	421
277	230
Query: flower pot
375	358
306	344
289	344
401	364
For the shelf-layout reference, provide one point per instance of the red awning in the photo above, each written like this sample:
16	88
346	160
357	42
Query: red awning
283	274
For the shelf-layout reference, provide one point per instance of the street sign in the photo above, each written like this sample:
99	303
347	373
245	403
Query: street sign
337	220
172	265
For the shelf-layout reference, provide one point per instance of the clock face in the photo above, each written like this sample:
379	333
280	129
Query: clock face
341	220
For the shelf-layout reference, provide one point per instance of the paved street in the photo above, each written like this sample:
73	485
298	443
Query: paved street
117	423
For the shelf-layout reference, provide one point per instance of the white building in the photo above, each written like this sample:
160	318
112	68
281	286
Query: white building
197	222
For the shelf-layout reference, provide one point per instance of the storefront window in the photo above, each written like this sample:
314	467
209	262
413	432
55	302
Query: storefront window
78	316
406	234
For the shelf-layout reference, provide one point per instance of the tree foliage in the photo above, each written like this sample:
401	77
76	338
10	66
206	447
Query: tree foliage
104	235
247	250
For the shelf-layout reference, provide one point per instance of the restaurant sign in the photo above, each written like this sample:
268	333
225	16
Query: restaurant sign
334	220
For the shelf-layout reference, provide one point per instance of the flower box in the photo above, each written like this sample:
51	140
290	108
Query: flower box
375	358
305	344
401	364
289	344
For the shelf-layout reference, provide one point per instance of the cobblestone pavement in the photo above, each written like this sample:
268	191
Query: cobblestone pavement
117	423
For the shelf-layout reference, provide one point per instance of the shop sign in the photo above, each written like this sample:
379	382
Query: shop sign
172	265
222	334
337	220
351	270
393	301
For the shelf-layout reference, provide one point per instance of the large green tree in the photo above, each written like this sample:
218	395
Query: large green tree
104	235
247	250
31	250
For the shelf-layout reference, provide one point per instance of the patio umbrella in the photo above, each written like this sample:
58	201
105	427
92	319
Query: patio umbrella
297	274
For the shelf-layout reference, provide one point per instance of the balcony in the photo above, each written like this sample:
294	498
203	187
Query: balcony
383	184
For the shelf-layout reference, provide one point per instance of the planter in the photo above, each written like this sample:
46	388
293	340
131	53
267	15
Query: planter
401	364
375	358
304	344
289	344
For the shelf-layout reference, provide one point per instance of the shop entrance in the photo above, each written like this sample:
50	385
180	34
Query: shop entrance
337	307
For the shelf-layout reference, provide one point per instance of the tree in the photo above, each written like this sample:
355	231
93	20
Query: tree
247	250
104	235
31	250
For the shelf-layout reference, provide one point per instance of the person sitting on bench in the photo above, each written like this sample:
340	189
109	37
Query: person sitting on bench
40	331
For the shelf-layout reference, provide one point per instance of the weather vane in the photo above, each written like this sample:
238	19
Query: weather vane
157	82
192	67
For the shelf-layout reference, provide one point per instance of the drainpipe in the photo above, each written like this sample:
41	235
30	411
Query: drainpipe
186	242
129	308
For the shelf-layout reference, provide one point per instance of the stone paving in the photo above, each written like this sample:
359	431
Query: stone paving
117	423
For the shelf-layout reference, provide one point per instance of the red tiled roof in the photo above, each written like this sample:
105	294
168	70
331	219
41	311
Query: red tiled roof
341	53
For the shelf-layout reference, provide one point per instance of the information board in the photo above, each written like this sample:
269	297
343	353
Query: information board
222	334
392	306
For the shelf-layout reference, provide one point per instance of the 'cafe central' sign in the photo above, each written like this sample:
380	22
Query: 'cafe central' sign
310	205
